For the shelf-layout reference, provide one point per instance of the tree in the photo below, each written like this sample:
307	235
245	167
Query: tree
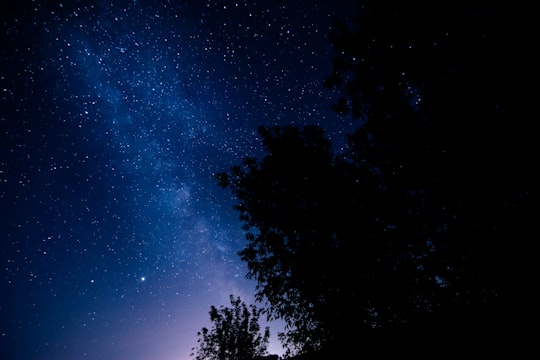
325	242
282	200
443	123
408	231
235	334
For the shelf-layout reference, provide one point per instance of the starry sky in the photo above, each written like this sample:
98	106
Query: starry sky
115	116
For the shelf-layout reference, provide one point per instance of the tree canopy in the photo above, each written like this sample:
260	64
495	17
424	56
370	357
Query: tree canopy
404	235
235	334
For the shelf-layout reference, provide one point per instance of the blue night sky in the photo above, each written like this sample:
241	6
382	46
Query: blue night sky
115	116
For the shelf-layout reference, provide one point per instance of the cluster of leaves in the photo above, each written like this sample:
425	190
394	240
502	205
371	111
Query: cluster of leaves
404	235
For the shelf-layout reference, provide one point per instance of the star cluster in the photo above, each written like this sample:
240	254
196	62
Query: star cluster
115	117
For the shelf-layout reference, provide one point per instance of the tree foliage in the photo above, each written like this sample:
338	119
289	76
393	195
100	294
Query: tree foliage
235	334
405	234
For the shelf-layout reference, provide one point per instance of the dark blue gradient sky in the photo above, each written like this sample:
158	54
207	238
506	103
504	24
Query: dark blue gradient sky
115	116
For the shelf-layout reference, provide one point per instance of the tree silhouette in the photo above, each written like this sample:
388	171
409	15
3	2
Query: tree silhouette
442	126
235	334
405	236
282	200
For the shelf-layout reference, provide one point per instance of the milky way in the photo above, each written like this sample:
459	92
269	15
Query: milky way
115	117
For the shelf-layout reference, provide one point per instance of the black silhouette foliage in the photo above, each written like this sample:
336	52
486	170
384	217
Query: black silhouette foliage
407	236
235	334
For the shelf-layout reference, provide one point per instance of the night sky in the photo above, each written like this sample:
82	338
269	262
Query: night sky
115	116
